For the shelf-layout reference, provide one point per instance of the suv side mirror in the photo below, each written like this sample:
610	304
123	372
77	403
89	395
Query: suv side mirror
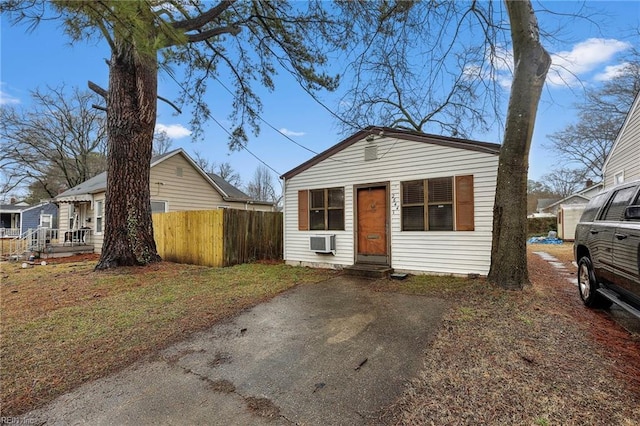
632	212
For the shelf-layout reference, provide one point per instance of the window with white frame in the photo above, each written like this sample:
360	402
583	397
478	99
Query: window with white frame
99	212
46	220
158	206
618	177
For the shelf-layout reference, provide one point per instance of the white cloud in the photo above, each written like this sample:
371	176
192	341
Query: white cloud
7	99
288	132
567	68
586	56
613	71
174	131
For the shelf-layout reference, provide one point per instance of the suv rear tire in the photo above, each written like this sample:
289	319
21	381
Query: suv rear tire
587	285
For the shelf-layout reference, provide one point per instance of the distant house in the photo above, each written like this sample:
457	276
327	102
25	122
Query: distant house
176	183
407	200
569	209
17	218
623	162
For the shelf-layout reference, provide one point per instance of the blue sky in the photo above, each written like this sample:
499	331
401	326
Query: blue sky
587	49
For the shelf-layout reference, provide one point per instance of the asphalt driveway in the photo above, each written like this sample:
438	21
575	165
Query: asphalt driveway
329	353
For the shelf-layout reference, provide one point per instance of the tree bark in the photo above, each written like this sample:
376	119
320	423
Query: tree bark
131	117
531	63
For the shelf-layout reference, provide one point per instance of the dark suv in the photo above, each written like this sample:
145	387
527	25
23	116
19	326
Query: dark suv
607	249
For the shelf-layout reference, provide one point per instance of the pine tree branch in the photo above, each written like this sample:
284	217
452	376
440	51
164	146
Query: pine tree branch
204	18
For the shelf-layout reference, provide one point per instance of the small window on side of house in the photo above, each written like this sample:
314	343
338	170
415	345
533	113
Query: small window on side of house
46	220
158	207
99	216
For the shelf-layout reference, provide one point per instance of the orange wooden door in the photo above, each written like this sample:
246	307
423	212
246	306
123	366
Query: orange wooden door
372	221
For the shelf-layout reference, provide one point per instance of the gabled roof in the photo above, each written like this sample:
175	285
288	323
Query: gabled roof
387	132
98	183
21	207
634	107
565	199
582	194
596	186
543	203
234	194
11	208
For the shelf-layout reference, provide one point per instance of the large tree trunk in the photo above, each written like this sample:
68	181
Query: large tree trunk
509	251
131	117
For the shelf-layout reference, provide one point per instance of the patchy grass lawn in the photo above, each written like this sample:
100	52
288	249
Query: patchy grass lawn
63	324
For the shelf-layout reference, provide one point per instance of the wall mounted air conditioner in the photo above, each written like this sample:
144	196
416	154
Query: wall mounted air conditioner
323	243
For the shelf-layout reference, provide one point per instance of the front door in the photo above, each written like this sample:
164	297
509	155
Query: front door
372	226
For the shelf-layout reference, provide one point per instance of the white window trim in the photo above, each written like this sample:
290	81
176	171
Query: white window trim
50	216
166	205
95	215
618	178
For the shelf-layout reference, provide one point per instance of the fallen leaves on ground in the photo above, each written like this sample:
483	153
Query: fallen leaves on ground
531	357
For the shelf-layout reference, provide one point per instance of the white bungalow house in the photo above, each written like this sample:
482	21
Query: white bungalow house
414	202
623	162
176	183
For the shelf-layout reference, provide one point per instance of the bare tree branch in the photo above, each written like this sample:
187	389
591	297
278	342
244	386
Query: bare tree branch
97	89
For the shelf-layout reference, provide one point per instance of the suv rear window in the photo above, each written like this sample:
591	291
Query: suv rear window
592	207
620	200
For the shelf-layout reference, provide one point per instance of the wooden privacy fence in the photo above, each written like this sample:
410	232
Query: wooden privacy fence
218	237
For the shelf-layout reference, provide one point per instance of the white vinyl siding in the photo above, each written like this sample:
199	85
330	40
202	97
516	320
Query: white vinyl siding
64	213
458	252
624	159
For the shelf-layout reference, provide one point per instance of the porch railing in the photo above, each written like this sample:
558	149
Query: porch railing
41	239
74	237
9	232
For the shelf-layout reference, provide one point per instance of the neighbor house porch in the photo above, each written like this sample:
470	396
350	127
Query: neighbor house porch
45	243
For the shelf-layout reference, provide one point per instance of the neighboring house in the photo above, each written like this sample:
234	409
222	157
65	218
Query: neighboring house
16	219
176	184
579	197
569	209
623	162
415	202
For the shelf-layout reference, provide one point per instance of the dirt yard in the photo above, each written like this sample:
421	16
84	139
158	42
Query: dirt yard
536	357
